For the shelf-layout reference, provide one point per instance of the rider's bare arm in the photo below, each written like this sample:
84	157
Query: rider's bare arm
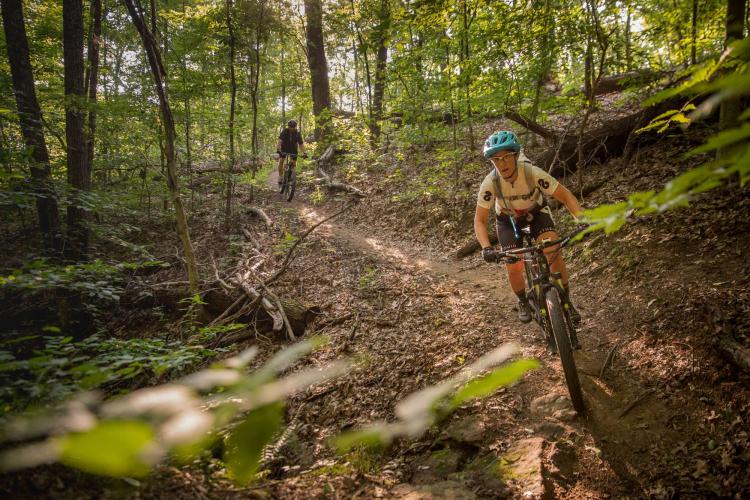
481	216
564	196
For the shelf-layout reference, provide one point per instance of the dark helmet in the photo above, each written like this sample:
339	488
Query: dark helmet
291	124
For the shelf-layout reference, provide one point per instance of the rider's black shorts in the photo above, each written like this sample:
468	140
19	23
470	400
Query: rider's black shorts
293	156
539	218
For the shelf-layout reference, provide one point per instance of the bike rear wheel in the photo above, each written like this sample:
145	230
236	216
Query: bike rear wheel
291	183
560	332
282	188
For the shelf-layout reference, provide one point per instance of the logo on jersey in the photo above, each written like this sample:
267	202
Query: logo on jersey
487	196
544	184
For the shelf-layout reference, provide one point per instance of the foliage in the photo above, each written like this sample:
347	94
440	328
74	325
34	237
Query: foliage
96	281
126	436
733	163
62	367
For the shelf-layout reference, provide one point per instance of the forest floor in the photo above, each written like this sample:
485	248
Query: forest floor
667	416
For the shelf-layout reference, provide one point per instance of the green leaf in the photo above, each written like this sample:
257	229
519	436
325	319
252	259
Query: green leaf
113	448
604	211
722	139
371	437
286	357
245	445
666	114
680	118
499	377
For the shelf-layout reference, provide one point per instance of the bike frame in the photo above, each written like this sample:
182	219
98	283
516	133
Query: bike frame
539	277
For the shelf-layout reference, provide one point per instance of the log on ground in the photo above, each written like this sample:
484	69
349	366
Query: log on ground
300	315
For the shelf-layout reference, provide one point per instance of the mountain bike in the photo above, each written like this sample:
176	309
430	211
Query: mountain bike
289	179
550	306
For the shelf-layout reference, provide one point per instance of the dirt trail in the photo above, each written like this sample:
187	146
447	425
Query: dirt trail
624	427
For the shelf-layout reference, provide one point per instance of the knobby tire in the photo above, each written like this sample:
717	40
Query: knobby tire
283	180
564	349
292	183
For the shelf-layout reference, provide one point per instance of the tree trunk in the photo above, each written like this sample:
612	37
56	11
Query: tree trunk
79	177
693	37
730	108
283	88
232	99
545	56
628	50
30	118
380	70
316	59
255	69
465	56
157	71
92	77
187	123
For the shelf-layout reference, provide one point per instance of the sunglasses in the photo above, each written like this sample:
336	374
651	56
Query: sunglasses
502	158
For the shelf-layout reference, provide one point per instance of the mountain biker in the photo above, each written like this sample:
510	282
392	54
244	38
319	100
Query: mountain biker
517	187
287	145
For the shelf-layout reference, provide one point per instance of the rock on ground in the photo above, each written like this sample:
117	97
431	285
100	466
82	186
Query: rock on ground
444	490
554	406
521	466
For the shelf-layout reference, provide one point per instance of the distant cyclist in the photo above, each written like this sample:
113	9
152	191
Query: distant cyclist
516	187
287	144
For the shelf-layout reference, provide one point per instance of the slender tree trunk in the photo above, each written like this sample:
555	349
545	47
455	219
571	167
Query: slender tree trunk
380	72
79	177
545	56
187	123
450	94
255	82
465	77
730	109
92	78
283	87
30	118
694	34
628	47
588	65
233	98
157	71
316	59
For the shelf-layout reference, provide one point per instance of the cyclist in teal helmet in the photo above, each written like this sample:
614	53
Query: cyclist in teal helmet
516	188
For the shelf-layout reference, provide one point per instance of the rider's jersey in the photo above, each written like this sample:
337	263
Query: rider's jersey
517	197
289	140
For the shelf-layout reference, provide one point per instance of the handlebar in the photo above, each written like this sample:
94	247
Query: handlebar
512	256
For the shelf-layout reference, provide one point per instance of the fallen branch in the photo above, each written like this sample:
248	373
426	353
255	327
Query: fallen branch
256	296
288	257
334	321
326	180
253	241
228	310
608	360
531	125
640	398
260	213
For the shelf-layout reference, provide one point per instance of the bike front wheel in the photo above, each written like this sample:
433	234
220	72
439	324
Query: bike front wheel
560	332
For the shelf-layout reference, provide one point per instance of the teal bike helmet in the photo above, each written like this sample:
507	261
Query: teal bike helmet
500	141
